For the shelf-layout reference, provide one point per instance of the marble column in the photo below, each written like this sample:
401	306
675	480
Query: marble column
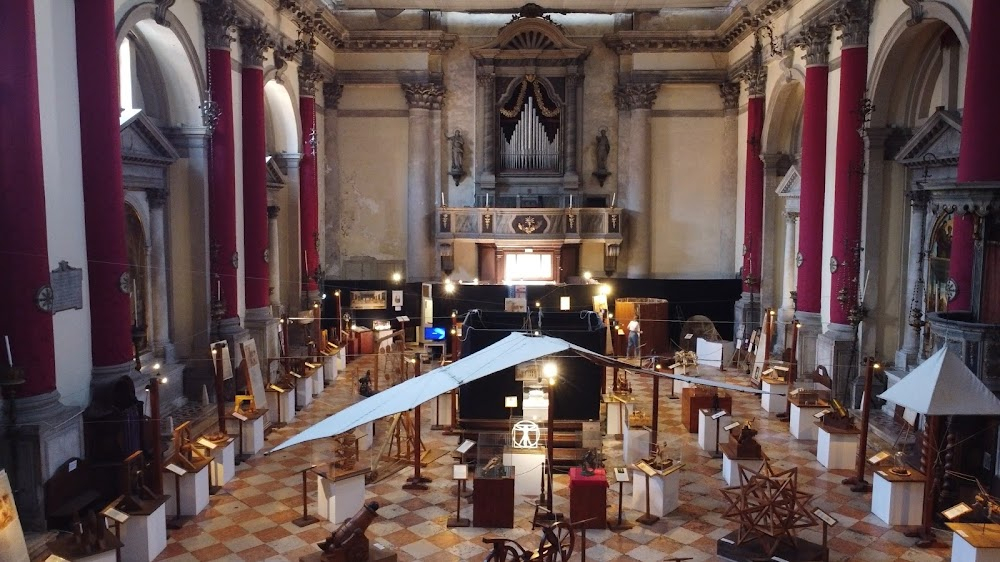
908	356
160	317
572	179
334	198
786	313
977	160
42	439
273	256
422	99
104	195
815	38
308	186
834	347
637	101
486	95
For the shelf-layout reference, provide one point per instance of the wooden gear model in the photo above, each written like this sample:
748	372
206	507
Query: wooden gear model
557	545
186	454
345	449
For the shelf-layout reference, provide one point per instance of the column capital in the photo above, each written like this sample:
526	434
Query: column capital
484	78
255	40
309	74
730	92
635	96
272	211
332	92
792	216
219	17
815	39
156	198
424	95
853	18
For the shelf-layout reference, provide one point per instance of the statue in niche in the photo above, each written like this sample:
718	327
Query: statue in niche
602	148
457	156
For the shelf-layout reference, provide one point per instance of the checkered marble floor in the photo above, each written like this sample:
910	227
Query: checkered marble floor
251	517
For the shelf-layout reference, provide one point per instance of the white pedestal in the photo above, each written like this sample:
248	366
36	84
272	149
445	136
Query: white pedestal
635	444
618	413
714	354
317	380
366	435
963	551
145	536
193	492
304	391
441	410
341	358
731	469
527	471
664	490
338	500
330	370
287	409
837	450
253	433
802	424
897	503
773	403
223	465
707	428
109	556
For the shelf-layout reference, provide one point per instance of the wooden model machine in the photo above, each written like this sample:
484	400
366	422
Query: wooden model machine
186	455
838	418
745	439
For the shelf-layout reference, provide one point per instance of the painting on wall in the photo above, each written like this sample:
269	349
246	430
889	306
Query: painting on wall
368	300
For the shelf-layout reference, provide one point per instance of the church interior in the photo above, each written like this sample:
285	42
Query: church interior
352	280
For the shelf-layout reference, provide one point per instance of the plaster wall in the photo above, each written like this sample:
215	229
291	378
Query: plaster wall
382	61
459	113
679	61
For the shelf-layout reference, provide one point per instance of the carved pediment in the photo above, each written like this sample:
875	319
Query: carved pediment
532	37
275	177
935	144
143	143
791	184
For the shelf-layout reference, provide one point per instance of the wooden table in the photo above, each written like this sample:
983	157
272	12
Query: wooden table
694	399
588	497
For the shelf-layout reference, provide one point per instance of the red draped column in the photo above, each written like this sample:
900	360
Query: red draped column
24	258
308	188
753	217
813	169
218	17
978	161
103	186
849	171
254	41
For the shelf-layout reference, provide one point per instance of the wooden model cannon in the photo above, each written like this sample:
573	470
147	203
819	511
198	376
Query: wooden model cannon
349	543
838	418
745	439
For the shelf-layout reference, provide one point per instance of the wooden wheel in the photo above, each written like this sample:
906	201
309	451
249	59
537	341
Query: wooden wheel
557	543
505	550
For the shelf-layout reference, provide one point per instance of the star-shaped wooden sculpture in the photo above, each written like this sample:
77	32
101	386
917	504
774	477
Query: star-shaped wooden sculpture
768	506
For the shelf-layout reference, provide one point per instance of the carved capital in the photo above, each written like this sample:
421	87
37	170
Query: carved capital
156	198
254	42
219	17
730	92
791	216
815	39
424	95
309	74
272	211
332	91
853	18
485	79
635	96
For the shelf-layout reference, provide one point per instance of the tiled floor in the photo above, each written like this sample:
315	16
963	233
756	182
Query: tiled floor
251	518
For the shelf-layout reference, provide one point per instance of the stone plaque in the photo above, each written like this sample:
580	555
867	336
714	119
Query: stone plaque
67	287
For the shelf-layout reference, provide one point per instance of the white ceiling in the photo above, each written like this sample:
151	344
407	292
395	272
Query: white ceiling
600	6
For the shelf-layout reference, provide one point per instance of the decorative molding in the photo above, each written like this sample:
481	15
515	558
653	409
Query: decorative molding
160	12
635	96
916	12
730	92
332	92
433	41
373	113
218	17
309	74
255	40
700	76
667	113
424	95
815	39
853	18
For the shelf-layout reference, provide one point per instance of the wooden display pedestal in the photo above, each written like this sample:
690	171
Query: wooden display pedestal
339	497
752	551
280	406
694	399
330	369
635	444
223	465
588	497
317	380
837	448
898	500
664	492
801	419
493	503
773	403
193	492
144	535
618	413
731	462
250	431
527	470
66	548
304	391
975	542
707	428
440	409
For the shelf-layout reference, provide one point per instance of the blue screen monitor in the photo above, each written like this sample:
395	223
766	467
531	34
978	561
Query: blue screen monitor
434	334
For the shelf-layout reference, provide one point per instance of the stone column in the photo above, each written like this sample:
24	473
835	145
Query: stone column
908	355
333	200
42	439
977	161
309	74
571	138
816	40
104	194
421	98
273	256
157	199
748	308
786	313
486	93
637	100
834	347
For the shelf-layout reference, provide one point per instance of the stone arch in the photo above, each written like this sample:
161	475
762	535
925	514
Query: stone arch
281	118
176	59
783	124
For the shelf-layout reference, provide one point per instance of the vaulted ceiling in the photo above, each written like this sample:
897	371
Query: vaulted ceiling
596	6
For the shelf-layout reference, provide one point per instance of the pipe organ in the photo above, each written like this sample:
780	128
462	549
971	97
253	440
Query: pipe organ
529	147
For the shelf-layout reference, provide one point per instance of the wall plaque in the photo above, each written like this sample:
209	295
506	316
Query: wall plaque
67	287
530	224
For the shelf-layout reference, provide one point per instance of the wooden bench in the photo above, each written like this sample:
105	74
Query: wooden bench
71	491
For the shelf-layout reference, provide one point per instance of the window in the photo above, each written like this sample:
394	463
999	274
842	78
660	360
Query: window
528	266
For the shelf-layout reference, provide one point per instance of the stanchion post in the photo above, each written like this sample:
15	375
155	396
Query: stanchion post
306	519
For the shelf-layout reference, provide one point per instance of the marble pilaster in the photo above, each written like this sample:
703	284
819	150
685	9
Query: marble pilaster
636	101
422	99
158	276
273	256
786	313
